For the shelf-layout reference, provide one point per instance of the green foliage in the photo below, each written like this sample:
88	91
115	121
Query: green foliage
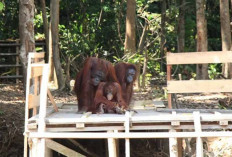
91	28
214	71
1	6
9	20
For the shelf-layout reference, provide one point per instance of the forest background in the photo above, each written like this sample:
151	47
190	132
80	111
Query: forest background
98	28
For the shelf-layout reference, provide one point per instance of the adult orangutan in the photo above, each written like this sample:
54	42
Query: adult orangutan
95	70
126	74
108	98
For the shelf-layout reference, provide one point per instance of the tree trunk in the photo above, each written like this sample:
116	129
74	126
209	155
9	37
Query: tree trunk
55	43
181	27
163	34
26	32
140	50
118	20
45	26
202	41
144	69
67	72
225	34
130	27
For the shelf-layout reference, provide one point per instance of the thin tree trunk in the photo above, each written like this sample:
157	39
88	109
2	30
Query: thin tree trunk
26	32
225	33
202	41
45	26
144	69
52	72
130	27
55	43
67	72
140	50
181	27
100	15
163	34
118	20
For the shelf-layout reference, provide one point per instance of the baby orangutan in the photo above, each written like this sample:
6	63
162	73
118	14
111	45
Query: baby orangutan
108	98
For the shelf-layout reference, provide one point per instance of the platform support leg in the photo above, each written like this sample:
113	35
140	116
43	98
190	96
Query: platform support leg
25	146
197	125
112	146
41	148
33	149
127	140
173	149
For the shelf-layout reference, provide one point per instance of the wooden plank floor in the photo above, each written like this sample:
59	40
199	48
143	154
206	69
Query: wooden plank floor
67	119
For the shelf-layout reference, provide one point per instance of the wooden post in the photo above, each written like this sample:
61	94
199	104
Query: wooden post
197	125
169	69
173	150
27	105
34	149
112	152
43	106
173	142
127	130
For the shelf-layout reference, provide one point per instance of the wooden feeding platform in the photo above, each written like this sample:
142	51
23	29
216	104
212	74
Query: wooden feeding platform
67	120
62	121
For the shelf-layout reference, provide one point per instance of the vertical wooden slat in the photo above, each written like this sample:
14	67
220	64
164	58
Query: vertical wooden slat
197	125
173	150
43	107
112	146
179	144
27	105
34	150
36	83
43	98
52	101
117	144
173	142
127	130
169	68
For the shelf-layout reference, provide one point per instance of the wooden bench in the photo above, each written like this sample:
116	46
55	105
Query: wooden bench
197	86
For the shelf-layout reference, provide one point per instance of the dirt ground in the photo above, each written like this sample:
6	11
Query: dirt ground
12	102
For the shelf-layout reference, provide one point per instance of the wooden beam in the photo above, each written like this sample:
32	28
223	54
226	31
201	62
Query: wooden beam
192	110
169	77
173	145
222	122
33	101
127	130
133	135
199	57
84	149
37	55
199	86
175	122
199	143
52	101
112	151
36	71
62	149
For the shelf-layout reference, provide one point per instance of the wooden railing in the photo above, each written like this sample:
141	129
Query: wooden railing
197	86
